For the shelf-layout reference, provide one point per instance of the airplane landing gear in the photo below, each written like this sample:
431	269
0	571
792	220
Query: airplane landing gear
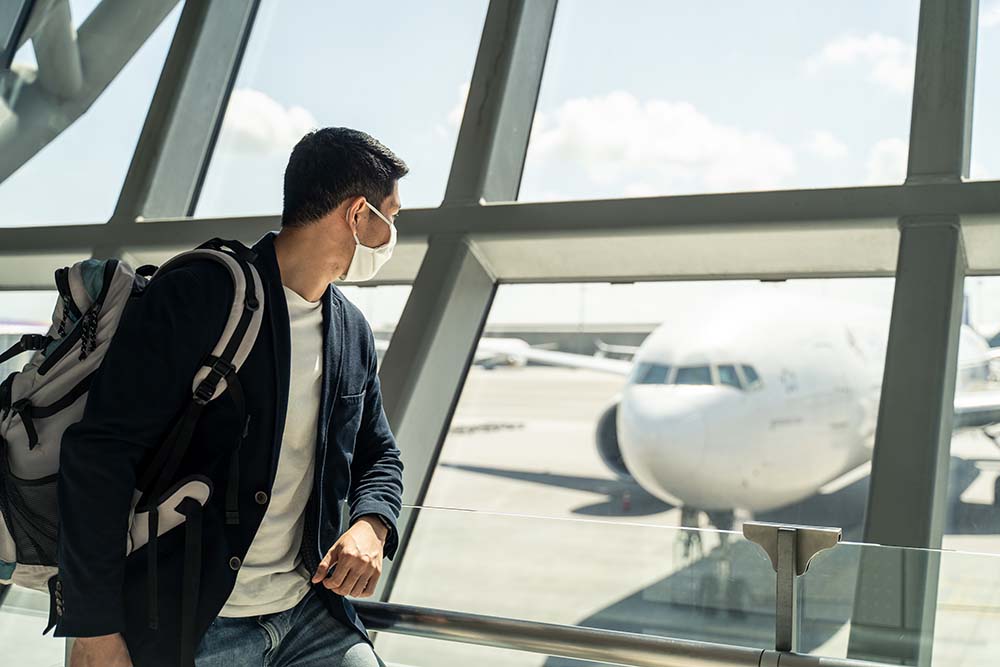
689	540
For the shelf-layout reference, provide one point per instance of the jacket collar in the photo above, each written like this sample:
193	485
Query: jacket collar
277	315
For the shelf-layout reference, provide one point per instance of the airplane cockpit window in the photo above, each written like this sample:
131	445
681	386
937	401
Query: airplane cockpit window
729	376
650	374
694	375
753	379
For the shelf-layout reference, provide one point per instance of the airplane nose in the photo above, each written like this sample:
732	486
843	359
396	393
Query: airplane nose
662	435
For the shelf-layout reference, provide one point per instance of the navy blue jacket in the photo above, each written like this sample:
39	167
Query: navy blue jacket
137	393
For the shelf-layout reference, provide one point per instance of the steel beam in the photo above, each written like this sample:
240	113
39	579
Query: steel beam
432	348
173	151
896	598
107	40
60	71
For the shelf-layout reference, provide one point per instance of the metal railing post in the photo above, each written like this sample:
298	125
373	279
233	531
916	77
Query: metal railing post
791	549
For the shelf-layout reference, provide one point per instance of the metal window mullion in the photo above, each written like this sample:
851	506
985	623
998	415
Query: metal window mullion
907	497
174	148
434	343
107	40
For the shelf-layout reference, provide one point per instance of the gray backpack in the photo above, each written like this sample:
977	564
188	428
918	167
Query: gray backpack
39	402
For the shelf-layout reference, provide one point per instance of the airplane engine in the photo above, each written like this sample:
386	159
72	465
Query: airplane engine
607	440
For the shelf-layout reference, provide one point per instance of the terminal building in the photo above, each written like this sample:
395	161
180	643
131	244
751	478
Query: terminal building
687	339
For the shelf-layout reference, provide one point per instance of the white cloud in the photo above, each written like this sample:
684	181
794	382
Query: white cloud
658	146
457	111
991	17
889	60
826	146
256	123
887	162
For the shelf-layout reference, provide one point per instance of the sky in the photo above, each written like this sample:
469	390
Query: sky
648	97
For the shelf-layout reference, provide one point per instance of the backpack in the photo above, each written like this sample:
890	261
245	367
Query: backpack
39	402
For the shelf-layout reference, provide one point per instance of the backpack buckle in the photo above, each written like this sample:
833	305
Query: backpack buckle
218	370
34	341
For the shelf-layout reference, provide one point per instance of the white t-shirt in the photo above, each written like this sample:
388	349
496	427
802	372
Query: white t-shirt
272	578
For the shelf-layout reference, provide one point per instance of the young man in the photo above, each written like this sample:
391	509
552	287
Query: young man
316	437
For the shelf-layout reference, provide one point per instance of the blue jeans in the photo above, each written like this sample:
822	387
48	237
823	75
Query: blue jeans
304	636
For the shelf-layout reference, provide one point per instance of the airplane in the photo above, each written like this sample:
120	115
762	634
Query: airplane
755	405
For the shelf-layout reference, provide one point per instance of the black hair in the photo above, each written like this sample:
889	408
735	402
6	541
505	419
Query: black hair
332	164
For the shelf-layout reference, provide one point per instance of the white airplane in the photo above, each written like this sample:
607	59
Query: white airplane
756	404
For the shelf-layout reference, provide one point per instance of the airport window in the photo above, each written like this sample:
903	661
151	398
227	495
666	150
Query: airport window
693	375
77	177
651	373
986	107
581	442
818	94
406	88
728	376
974	479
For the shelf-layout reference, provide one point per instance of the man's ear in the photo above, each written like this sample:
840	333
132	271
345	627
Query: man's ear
354	207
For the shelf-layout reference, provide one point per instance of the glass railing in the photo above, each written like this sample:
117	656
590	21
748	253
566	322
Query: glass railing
705	585
855	601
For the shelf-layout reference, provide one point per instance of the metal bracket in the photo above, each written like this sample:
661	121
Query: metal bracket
791	549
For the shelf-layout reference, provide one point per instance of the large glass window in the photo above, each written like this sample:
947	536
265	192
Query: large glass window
77	177
681	448
566	474
986	109
974	487
397	70
674	98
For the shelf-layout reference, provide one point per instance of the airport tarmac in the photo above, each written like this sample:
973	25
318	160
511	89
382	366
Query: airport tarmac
534	526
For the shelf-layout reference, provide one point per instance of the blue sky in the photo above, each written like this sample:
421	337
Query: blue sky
638	98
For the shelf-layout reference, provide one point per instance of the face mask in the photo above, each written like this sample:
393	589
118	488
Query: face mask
367	261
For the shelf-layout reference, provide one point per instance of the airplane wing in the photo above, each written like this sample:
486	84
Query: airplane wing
977	408
607	348
490	347
570	360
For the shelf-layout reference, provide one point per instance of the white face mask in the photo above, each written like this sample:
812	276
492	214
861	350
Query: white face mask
367	261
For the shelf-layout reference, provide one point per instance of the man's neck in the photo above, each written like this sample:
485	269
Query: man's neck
307	260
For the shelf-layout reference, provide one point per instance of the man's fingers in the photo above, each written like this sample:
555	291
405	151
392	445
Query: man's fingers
324	567
368	586
340	573
351	581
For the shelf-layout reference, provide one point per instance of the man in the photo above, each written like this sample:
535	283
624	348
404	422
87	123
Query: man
316	436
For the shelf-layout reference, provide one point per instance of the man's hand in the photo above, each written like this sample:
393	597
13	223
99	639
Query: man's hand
104	651
358	559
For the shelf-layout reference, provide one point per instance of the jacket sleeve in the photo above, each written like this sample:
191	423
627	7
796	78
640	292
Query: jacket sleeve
141	386
376	470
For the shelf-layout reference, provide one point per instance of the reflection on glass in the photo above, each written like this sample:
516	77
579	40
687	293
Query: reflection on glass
817	94
974	486
406	87
85	165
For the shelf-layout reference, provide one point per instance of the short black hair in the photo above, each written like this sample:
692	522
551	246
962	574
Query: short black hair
332	164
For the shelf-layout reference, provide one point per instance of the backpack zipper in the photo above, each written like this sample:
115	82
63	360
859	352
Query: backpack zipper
66	344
